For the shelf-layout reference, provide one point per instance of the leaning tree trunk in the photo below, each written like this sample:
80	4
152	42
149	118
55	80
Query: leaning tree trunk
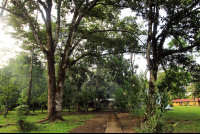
97	85
30	81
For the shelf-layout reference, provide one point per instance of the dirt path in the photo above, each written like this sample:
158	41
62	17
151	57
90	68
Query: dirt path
100	122
113	125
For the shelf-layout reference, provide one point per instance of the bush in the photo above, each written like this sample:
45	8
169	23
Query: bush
21	110
170	104
156	124
22	124
1	109
120	99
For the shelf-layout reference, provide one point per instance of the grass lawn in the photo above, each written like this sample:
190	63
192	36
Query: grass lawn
188	118
71	121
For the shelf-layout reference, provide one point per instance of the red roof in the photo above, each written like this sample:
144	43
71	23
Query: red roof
185	100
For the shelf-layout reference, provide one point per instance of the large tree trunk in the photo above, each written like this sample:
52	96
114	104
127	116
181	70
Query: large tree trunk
59	93
51	114
151	62
55	94
77	107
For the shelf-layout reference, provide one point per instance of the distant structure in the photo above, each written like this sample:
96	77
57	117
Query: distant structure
186	102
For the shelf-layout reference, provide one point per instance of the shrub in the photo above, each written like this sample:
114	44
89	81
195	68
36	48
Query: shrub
120	99
1	109
156	124
22	124
21	110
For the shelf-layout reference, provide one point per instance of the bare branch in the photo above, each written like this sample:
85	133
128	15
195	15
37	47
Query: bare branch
1	14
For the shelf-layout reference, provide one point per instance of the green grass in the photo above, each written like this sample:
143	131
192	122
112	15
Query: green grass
188	118
71	122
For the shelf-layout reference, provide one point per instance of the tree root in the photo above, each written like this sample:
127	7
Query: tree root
43	120
50	120
7	124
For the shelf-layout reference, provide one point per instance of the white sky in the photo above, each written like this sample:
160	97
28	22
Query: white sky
9	44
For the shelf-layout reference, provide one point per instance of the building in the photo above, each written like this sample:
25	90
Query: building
186	102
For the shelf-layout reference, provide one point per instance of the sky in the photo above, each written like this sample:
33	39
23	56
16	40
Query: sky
9	47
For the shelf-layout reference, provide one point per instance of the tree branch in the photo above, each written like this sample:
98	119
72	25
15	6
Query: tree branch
8	10
76	44
170	52
97	55
179	15
43	17
113	30
43	4
57	24
1	14
26	16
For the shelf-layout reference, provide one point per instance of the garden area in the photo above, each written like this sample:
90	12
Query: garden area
186	117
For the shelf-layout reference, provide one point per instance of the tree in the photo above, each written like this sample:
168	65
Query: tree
180	23
7	91
19	72
176	81
50	45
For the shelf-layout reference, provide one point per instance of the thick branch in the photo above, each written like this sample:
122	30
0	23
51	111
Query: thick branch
149	39
20	15
43	17
83	36
57	24
26	16
43	4
97	55
170	52
179	15
114	31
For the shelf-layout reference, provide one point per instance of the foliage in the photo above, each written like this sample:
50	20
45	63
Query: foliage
120	99
21	110
156	124
15	82
22	123
155	116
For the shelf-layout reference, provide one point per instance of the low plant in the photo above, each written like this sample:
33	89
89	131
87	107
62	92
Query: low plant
1	109
155	118
22	123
